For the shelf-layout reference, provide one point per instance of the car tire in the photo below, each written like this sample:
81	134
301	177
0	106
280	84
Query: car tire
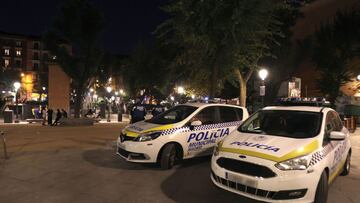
322	189
168	156
346	169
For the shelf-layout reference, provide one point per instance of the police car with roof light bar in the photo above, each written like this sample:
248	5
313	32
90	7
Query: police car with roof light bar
182	132
283	153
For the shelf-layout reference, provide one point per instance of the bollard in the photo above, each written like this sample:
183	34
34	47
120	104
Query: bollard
4	144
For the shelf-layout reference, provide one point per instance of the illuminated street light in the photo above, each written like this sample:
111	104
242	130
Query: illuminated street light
91	90
22	74
263	73
358	77
172	98
17	86
108	89
181	90
116	93
192	96
43	88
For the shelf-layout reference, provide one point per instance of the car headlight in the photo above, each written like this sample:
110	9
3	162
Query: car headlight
299	163
147	136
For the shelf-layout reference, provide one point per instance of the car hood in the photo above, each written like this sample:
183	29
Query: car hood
137	128
274	148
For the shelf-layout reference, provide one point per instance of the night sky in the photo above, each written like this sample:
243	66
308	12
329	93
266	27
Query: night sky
126	21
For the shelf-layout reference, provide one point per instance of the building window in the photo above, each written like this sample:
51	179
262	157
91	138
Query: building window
36	66
7	52
18	53
18	43
18	63
36	56
36	45
6	63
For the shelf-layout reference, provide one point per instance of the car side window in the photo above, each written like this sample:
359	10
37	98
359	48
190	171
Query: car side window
228	114
337	122
329	126
206	116
239	113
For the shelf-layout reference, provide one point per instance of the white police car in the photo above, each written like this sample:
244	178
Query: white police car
181	132
283	154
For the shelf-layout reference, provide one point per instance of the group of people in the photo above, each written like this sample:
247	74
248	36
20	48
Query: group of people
138	111
47	116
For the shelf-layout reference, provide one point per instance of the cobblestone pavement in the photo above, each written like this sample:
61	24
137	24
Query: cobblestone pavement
77	164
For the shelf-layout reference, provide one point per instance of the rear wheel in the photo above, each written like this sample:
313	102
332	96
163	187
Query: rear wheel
322	189
168	156
346	169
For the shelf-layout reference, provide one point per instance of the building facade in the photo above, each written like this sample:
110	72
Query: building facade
23	58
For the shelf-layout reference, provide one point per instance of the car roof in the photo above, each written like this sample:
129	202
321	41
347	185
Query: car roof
200	104
297	108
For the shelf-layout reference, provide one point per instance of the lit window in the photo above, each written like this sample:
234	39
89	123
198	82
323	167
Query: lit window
6	63
7	52
18	53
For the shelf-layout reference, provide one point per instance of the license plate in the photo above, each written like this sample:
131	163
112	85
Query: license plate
241	180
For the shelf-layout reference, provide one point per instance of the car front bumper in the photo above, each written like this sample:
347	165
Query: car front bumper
141	152
286	186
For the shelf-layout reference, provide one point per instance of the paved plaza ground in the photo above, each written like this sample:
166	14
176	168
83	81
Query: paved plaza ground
77	164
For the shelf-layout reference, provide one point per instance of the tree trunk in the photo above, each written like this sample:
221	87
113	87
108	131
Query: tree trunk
78	102
213	81
242	87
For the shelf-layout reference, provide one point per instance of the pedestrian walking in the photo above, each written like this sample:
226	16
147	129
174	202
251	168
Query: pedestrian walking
64	113
43	115
58	117
49	116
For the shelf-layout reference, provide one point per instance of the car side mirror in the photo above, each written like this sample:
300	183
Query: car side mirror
337	135
194	124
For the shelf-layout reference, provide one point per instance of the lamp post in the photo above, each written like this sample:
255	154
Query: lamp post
263	73
17	87
109	89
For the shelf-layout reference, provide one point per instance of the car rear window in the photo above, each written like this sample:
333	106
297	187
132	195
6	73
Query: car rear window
228	114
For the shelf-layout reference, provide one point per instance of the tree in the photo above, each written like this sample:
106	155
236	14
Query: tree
222	38
75	41
147	69
336	44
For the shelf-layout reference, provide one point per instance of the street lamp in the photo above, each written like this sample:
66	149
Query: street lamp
263	73
358	77
109	89
181	90
17	87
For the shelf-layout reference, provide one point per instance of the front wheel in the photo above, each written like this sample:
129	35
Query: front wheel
322	189
168	156
346	169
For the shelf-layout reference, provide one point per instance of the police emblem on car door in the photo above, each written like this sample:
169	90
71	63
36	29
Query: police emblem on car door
205	132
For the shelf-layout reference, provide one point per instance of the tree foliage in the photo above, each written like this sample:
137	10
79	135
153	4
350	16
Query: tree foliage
336	44
147	69
75	41
220	39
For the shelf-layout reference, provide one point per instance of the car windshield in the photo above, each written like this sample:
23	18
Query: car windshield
292	124
173	115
